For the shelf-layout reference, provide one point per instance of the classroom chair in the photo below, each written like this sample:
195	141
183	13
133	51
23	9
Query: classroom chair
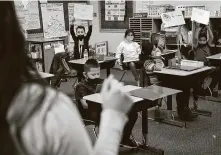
61	70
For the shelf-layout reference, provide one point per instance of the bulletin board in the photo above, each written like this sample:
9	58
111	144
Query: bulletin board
115	26
66	16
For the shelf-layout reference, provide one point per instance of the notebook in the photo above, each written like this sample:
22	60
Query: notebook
145	94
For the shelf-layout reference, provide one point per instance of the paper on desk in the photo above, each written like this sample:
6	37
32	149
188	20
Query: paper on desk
83	12
200	16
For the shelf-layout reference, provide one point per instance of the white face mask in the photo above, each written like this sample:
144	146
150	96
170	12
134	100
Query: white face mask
130	38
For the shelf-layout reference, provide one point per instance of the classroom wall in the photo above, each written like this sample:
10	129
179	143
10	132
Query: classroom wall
115	38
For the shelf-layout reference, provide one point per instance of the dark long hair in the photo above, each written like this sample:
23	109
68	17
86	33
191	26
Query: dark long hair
15	67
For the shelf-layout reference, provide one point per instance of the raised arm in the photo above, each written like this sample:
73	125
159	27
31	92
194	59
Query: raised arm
72	32
211	37
89	30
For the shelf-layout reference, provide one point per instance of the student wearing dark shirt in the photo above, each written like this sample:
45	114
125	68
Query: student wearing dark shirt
201	52
81	42
92	111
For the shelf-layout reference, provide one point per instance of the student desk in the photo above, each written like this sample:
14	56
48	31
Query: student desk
108	63
215	59
46	75
140	105
182	80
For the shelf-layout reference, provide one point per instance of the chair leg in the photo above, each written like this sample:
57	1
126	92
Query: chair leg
59	83
123	75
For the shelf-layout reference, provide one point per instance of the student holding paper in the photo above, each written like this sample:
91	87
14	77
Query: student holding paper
81	41
128	53
201	51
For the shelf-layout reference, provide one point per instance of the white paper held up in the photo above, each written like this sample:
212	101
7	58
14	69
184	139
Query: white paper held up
200	16
174	18
83	12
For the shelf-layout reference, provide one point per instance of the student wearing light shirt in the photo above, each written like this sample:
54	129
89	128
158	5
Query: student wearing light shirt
128	53
37	120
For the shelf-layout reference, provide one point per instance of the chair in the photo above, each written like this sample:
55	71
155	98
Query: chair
61	70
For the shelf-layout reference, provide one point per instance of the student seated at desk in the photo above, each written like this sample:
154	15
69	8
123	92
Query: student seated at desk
153	60
200	53
92	111
128	53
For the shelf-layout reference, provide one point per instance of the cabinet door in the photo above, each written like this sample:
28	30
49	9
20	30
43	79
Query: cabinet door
48	57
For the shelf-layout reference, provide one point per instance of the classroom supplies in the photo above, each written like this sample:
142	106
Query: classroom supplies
101	48
145	94
200	16
53	20
192	63
171	19
83	12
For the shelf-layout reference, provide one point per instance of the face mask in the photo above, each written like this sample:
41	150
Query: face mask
201	45
130	38
81	37
94	81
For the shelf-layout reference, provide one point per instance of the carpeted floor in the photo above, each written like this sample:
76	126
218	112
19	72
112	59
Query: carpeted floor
201	137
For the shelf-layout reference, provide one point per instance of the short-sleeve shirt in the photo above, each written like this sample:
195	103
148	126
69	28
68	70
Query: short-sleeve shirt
200	54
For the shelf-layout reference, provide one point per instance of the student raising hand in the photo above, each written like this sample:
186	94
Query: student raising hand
114	98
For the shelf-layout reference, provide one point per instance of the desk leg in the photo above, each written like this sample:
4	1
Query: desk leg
108	72
144	146
170	120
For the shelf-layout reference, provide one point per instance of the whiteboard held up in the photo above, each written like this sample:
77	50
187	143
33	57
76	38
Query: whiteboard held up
83	12
174	18
200	16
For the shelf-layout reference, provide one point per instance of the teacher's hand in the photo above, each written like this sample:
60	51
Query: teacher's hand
113	97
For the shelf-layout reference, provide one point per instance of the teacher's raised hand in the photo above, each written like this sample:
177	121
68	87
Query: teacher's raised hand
113	97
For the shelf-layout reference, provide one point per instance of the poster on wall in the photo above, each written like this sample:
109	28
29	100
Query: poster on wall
53	20
174	18
28	14
114	10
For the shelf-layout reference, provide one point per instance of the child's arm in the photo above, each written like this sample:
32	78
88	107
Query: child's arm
84	103
195	36
89	29
72	31
211	37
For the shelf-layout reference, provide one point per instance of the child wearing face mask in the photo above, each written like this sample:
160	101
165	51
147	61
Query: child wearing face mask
81	42
92	111
128	53
201	51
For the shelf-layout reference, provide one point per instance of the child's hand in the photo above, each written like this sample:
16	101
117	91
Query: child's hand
157	68
73	20
113	97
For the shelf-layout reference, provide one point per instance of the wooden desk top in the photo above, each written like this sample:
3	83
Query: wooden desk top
215	57
163	91
98	99
168	52
82	61
180	72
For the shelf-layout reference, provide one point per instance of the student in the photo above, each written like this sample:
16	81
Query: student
35	119
201	52
92	111
128	51
81	42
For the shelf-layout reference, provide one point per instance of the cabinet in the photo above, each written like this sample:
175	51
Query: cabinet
46	52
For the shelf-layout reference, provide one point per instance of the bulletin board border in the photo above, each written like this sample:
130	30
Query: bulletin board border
125	23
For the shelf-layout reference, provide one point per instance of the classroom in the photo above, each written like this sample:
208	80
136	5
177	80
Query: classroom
113	77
